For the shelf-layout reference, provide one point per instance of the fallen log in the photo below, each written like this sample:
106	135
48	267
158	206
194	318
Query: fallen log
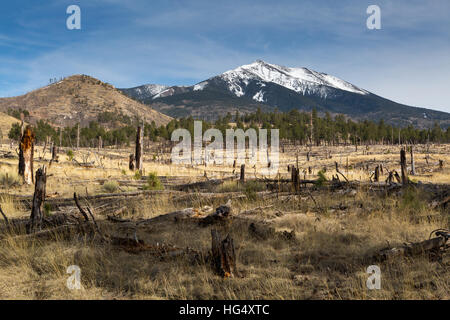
172	216
413	249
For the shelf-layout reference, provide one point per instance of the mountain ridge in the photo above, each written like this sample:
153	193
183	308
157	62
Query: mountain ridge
270	86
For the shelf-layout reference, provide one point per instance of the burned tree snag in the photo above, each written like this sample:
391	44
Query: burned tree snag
35	222
139	148
376	177
223	255
26	153
413	167
131	162
54	153
295	177
403	167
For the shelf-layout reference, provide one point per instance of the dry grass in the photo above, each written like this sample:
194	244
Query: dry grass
334	240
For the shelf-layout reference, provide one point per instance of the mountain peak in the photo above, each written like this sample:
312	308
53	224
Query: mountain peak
300	80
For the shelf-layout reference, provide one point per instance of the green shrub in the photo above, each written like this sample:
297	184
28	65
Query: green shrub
47	209
321	179
137	175
110	187
70	155
153	182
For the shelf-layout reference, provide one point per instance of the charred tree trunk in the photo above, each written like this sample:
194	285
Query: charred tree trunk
242	178
26	153
223	255
37	209
403	167
139	148
295	177
54	153
131	162
376	177
413	167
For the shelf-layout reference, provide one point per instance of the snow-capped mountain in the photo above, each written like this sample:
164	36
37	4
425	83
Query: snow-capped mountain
270	87
300	80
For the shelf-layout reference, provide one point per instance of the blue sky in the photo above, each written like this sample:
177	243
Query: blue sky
133	42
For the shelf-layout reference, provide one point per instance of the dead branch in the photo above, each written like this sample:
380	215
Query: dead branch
4	215
84	214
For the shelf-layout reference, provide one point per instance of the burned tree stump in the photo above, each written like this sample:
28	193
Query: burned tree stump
54	153
295	178
220	216
26	153
223	255
242	178
139	148
35	222
376	177
403	167
131	162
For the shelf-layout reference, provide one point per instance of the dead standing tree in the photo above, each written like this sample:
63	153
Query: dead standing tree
139	148
35	222
26	153
242	176
403	167
413	167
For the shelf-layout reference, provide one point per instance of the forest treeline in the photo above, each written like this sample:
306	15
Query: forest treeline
299	126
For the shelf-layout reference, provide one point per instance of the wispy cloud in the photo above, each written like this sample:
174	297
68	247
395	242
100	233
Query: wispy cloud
129	43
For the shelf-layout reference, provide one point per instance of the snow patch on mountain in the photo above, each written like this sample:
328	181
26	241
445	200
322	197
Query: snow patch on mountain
301	80
150	89
200	86
259	96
